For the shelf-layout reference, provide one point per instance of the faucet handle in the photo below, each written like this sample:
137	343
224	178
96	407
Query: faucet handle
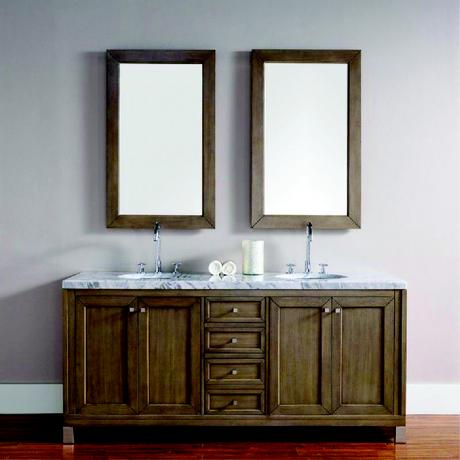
141	267
290	269
323	270
176	266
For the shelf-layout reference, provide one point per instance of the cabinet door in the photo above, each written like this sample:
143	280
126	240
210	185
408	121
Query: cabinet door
169	355
106	355
363	355
300	356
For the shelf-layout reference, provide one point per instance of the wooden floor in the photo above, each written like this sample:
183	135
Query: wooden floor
428	437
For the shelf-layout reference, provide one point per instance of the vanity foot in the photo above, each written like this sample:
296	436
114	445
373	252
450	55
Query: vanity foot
67	435
400	437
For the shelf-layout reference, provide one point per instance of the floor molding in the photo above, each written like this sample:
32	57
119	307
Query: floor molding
433	398
42	398
31	398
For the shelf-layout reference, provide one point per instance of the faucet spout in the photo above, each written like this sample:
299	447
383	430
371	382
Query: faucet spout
309	232
156	240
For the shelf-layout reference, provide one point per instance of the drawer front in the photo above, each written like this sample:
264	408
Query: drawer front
233	340
231	310
235	371
237	402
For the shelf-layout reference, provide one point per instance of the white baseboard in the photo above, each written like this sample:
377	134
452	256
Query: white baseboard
46	398
30	398
433	398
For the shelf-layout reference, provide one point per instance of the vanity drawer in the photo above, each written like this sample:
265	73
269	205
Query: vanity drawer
235	371
238	402
234	310
234	340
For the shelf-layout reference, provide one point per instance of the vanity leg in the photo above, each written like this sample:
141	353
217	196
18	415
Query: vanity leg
400	437
67	435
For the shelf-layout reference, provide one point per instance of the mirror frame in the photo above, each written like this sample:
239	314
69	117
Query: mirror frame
113	60
353	217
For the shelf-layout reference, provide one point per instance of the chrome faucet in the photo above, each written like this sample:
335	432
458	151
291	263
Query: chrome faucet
309	230
156	239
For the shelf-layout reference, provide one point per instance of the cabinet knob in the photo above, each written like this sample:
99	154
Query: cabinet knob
142	310
338	310
234	372
326	310
234	402
234	340
234	310
132	309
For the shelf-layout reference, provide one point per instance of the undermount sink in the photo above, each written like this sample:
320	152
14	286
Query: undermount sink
310	276
149	276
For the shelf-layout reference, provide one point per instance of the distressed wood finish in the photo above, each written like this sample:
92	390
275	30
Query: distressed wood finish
234	340
235	402
234	371
113	60
258	217
363	355
300	356
106	355
168	362
169	356
235	310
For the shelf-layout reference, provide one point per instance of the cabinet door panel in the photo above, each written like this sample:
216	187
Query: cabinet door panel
363	355
300	356
169	355
106	355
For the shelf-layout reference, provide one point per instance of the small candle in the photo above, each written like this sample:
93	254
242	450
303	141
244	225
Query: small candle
253	257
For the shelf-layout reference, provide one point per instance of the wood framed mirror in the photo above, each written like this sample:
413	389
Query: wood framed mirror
306	138
160	138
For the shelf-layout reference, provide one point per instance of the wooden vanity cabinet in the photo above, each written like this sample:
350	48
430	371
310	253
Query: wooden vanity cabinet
251	357
132	355
334	355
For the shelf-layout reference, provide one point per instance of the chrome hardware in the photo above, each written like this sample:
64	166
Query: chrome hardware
176	267
234	372
142	310
141	268
337	310
234	340
234	310
234	402
309	231
290	269
132	309
323	270
156	239
326	310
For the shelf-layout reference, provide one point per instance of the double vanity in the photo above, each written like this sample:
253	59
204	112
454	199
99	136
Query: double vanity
243	350
289	349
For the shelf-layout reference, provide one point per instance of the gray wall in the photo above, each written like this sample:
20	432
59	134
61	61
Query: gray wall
52	169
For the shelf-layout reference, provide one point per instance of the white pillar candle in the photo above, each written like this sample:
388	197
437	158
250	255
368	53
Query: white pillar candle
253	257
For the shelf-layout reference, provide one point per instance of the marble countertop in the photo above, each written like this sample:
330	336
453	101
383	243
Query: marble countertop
111	280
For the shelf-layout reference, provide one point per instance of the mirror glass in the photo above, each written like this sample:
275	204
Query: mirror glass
160	139
305	138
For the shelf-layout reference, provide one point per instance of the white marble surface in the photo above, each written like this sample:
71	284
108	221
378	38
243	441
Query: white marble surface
111	280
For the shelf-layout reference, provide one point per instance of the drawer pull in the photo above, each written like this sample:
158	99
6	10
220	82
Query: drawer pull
234	372
234	310
234	402
234	340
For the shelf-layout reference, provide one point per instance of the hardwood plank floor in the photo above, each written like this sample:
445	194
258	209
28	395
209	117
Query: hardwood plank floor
428	437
